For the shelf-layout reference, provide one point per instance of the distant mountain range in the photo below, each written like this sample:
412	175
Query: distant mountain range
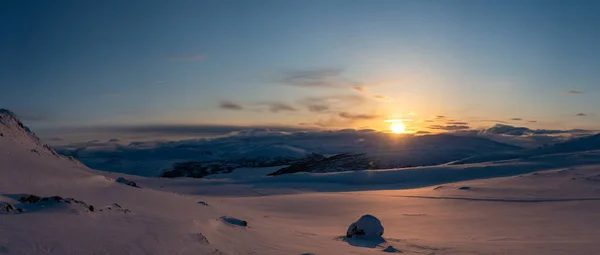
587	143
266	149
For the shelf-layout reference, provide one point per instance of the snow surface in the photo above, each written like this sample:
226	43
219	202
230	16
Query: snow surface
548	204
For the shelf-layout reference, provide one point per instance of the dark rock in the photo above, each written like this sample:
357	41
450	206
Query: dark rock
91	208
336	163
234	221
391	249
203	203
7	208
30	199
465	188
127	182
56	198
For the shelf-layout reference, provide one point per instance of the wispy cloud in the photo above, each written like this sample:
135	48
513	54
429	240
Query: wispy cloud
358	116
318	107
279	107
335	101
227	105
382	98
360	88
323	78
486	120
178	130
440	117
449	127
516	119
574	92
581	114
190	57
457	123
365	91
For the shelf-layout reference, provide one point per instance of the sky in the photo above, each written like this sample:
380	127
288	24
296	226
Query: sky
81	67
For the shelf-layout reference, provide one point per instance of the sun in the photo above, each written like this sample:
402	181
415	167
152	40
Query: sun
398	128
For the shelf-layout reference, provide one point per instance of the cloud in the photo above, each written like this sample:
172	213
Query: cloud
318	108
354	116
364	90
56	139
422	132
501	129
382	98
516	119
323	78
279	107
532	121
114	140
360	88
230	106
526	137
440	117
429	121
449	127
574	92
496	121
191	57
581	115
333	102
457	123
161	131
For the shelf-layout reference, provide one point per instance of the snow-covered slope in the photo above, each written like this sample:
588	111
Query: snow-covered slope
144	222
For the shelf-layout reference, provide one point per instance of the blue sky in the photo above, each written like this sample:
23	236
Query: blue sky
314	64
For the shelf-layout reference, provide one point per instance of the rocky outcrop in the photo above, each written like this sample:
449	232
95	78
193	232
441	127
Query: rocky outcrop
337	163
234	221
196	169
127	182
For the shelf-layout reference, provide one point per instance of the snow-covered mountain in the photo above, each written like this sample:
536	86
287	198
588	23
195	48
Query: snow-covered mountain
587	143
11	128
526	137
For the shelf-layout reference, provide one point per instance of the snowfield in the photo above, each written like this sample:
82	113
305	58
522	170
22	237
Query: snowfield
546	204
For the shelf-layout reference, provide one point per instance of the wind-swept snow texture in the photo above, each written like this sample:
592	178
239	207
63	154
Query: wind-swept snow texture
545	205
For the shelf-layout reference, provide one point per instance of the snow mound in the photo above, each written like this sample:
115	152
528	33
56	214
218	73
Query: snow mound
367	226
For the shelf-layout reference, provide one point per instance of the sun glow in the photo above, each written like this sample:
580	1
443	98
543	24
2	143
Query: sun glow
398	128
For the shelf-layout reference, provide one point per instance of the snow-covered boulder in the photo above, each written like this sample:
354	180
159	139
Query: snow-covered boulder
367	226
